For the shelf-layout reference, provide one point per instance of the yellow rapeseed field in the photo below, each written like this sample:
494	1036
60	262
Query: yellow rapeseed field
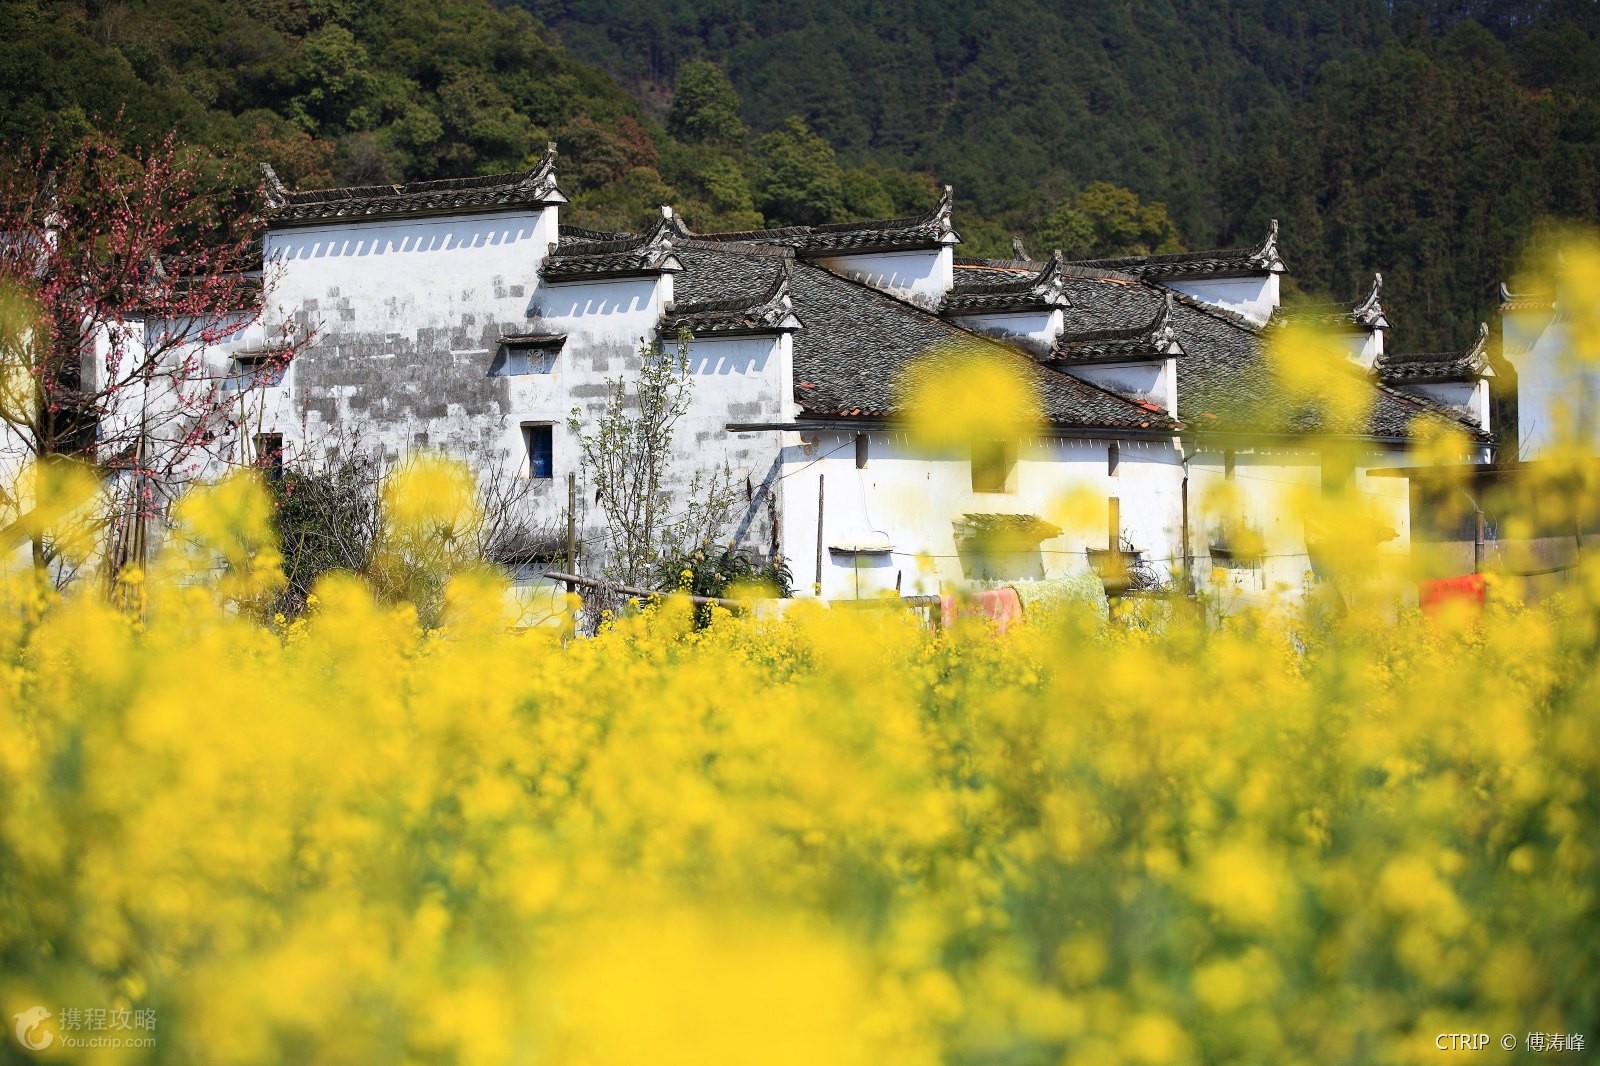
826	838
829	838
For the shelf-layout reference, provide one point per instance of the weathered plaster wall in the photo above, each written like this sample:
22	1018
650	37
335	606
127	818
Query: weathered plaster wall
921	277
1035	330
909	499
1253	297
410	316
1558	391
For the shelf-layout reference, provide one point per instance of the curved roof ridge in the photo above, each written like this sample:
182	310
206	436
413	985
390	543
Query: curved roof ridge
1155	339
931	228
1470	364
1262	257
438	196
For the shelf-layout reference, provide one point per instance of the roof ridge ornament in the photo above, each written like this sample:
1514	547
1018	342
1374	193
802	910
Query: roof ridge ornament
1480	346
1267	250
940	216
668	227
1369	312
276	192
1018	251
1162	333
1051	284
1373	303
777	296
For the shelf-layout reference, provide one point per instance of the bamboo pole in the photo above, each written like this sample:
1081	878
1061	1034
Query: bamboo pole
816	588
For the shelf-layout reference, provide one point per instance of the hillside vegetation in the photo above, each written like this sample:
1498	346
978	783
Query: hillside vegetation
1425	141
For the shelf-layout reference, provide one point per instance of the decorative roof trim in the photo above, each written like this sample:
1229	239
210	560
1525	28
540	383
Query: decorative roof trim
624	256
533	340
1525	301
1261	259
772	312
1367	315
1045	290
1157	339
449	196
1470	365
1369	312
913	233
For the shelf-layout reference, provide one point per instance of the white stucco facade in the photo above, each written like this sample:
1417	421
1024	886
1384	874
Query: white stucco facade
1557	385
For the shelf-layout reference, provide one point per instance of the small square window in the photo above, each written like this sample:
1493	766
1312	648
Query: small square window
994	466
518	361
269	454
539	441
250	369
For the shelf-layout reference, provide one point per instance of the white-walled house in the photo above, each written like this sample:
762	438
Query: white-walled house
1547	338
461	316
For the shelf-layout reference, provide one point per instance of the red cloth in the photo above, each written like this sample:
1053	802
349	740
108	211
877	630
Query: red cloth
1003	606
1433	596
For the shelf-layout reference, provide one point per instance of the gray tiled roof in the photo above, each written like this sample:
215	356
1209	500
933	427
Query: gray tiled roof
1365	315
1228	384
1226	381
495	192
854	344
986	291
715	273
1469	365
1155	339
858	343
931	230
1221	262
614	255
764	312
635	262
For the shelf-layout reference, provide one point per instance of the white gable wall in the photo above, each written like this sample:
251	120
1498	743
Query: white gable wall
1153	381
909	499
1255	297
1558	393
1035	330
922	277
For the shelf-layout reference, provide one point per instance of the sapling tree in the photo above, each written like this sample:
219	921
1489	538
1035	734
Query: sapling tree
134	270
626	456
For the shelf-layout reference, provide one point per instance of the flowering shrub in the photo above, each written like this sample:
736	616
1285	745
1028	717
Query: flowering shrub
831	837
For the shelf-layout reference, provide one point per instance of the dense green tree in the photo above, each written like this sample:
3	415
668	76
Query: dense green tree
1107	220
713	191
705	108
798	178
1430	162
1426	138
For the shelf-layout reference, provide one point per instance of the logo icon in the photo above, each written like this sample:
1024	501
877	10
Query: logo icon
29	1021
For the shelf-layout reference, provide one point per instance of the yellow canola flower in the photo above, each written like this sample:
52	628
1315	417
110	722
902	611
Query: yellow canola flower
1315	370
959	395
821	836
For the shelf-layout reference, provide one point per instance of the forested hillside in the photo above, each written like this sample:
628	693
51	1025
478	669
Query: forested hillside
1426	141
